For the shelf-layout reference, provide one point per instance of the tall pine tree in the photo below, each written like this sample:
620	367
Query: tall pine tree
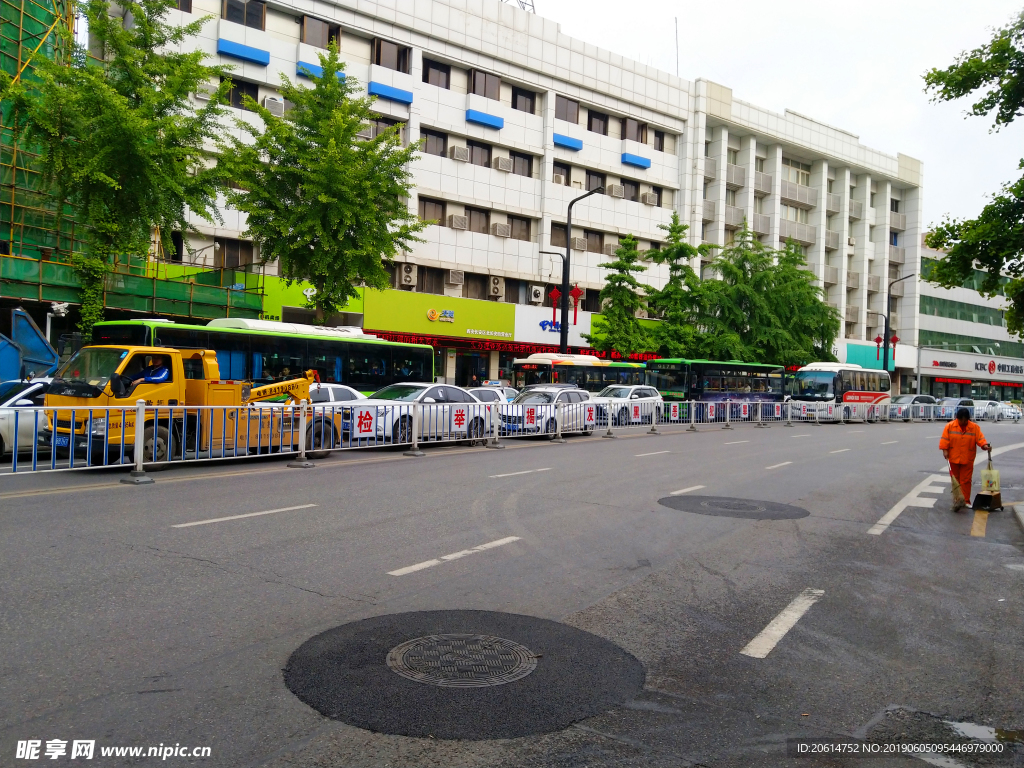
621	299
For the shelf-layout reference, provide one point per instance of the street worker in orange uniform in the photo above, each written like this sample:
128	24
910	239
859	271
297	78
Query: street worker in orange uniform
959	444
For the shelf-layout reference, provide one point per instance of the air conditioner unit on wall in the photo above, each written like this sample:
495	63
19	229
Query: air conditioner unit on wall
274	105
558	179
459	153
851	241
503	164
501	230
610	249
616	190
455	277
649	198
579	244
536	293
407	274
496	289
458	222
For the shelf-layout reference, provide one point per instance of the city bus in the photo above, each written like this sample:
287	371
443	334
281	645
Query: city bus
585	371
262	351
714	381
856	388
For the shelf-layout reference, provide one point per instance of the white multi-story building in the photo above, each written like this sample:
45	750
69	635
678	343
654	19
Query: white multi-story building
517	119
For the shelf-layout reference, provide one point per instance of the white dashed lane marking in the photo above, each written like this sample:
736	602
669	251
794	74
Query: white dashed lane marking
652	453
776	466
524	472
841	450
239	517
777	628
687	490
453	556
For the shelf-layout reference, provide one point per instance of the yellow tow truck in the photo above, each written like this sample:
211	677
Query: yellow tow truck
95	395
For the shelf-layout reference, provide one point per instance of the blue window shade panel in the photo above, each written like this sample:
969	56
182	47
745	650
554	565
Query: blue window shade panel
305	69
243	52
389	92
231	364
484	119
635	160
567	142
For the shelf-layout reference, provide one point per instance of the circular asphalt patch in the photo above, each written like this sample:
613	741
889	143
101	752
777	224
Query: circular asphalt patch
724	506
400	674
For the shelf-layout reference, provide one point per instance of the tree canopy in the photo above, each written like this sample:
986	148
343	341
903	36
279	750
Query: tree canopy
323	200
621	299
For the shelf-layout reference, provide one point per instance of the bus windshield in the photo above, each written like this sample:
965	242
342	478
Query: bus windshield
667	379
813	385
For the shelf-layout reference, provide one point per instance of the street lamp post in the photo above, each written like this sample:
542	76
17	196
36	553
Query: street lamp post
563	335
885	340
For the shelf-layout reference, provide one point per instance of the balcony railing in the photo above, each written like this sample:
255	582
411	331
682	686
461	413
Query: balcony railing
894	321
762	223
709	210
710	168
833	203
762	182
829	275
897	221
734	216
735	175
856	209
874	319
874	283
852	313
896	289
852	280
831	241
798	194
794	230
897	254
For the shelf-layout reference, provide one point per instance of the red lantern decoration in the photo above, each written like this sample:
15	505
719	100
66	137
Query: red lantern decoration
576	294
878	347
894	340
555	296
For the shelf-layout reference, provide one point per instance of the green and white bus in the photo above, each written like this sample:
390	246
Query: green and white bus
585	371
263	352
714	381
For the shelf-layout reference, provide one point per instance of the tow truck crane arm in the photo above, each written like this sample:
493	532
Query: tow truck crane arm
296	389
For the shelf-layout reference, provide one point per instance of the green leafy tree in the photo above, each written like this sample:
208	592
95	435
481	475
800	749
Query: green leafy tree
621	299
120	143
994	241
328	206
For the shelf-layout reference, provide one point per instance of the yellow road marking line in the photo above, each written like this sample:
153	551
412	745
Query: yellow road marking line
980	521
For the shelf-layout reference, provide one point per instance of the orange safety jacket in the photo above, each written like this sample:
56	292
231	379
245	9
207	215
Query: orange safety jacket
962	444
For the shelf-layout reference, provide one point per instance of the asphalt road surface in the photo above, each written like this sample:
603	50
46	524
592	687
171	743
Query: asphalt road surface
818	588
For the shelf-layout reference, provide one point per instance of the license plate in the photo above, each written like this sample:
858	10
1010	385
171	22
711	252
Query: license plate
61	441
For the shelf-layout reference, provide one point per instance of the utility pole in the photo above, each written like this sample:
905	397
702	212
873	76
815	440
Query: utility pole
563	334
885	340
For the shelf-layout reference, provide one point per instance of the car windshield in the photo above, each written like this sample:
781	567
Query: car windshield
614	392
950	400
92	366
903	399
533	397
405	393
9	389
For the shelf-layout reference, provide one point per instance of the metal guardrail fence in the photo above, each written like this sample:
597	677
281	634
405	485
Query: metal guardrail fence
63	438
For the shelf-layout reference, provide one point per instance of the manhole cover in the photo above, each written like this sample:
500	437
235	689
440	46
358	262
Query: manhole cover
492	675
723	506
462	661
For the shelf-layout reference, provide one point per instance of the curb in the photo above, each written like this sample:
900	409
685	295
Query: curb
1019	514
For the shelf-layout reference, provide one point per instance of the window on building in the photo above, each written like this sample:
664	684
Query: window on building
894	238
520	227
659	194
565	171
659	141
634	130
522	165
380	124
871	200
474	286
595	240
479	220
479	154
732	156
436	73
567	109
597	122
894	205
707	149
792	213
594	180
704	191
730	197
434	142
523	100
185	6
511	297
239	90
230	253
796	172
485	84
430	280
317	33
251	13
391	55
758	205
558	235
432	210
631	190
759	164
177	247
830	183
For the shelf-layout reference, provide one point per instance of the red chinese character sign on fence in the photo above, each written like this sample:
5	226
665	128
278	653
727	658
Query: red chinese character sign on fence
364	422
711	411
530	416
673	411
744	410
460	416
590	415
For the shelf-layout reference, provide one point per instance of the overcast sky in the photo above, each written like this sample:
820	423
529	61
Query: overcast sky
857	66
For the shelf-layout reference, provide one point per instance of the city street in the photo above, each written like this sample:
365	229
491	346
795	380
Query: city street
844	603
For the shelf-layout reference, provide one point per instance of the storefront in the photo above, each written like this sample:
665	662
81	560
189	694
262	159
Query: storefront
962	374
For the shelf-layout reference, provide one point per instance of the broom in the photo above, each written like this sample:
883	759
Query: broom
958	494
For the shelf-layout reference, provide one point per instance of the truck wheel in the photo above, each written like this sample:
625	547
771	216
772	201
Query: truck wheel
162	441
316	437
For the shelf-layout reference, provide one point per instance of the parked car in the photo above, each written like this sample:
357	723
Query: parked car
494	394
1012	410
18	394
988	410
948	406
443	420
918	407
515	416
619	400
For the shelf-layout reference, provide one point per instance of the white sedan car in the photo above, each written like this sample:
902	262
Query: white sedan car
535	410
448	413
15	395
633	404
